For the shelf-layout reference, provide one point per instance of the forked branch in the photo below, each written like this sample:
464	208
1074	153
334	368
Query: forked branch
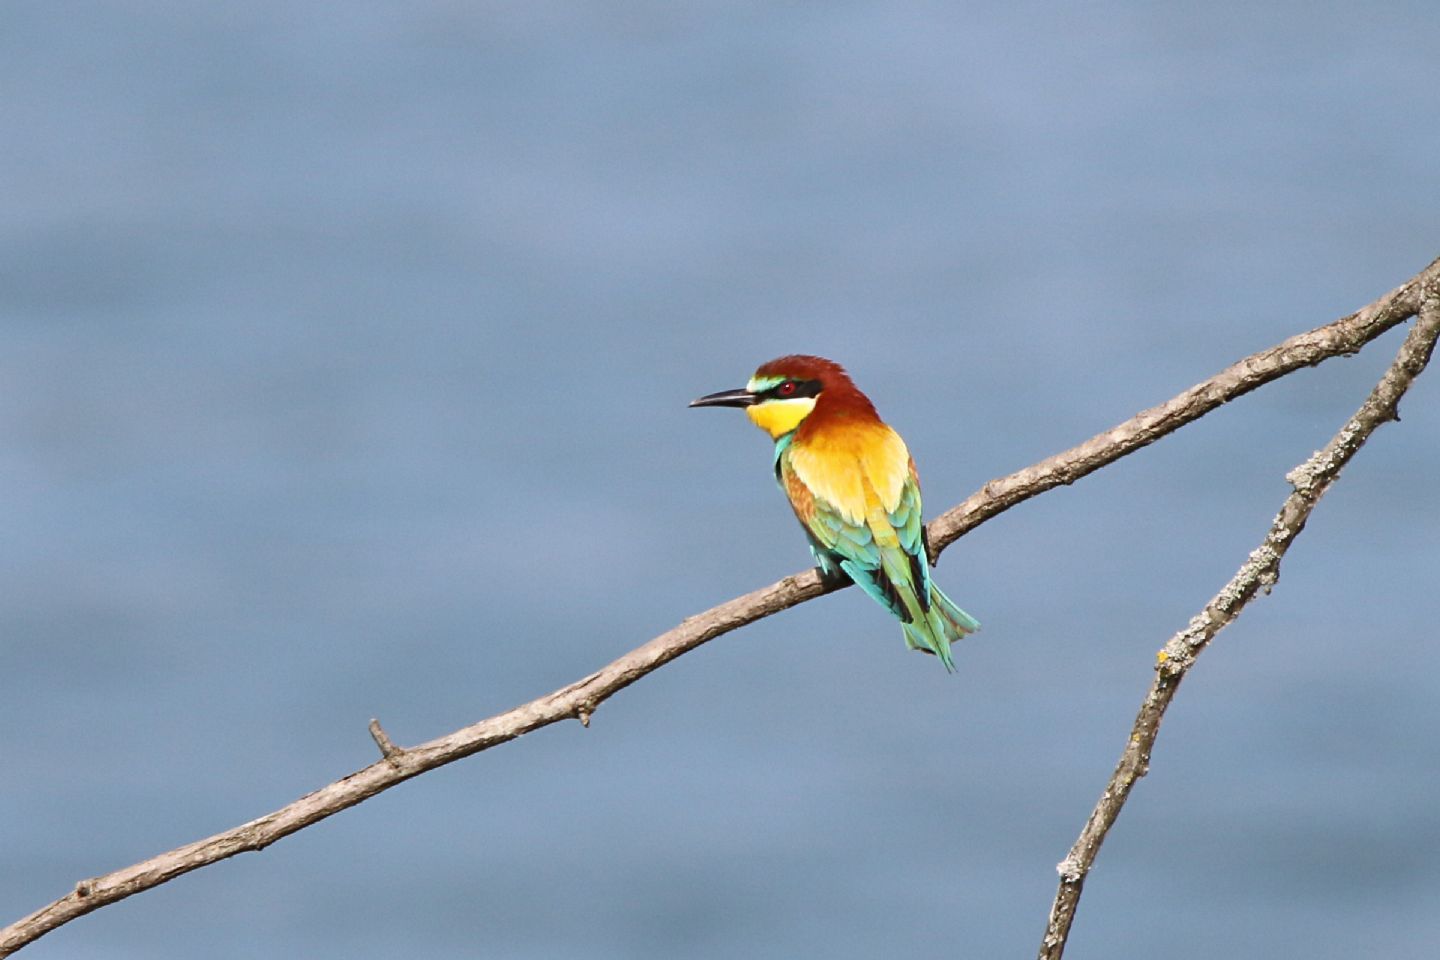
1260	570
580	699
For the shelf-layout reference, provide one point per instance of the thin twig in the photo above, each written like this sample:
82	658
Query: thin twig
1261	569
388	750
580	699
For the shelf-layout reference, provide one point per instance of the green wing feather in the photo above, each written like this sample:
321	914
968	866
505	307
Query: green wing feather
890	565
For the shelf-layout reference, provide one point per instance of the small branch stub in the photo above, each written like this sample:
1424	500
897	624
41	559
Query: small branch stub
387	747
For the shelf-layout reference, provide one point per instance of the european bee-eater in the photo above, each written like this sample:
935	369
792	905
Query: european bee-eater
853	486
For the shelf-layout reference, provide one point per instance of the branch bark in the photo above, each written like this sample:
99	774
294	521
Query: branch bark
580	699
1260	570
1343	337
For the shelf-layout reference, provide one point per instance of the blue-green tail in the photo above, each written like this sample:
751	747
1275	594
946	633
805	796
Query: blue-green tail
943	624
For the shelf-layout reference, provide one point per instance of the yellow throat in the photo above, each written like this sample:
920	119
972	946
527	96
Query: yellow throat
779	417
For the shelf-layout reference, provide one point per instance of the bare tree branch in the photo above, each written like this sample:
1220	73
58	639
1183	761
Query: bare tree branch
1261	569
580	699
1342	337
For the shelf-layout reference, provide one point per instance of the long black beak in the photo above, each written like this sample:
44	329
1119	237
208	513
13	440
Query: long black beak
727	398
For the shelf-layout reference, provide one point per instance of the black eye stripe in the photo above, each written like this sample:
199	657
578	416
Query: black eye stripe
803	388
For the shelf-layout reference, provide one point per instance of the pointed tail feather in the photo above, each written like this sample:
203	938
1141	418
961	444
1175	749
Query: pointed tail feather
943	624
961	622
929	637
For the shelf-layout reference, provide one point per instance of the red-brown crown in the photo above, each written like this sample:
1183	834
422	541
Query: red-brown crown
837	391
799	366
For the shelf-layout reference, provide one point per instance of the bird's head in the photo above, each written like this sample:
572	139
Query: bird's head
785	391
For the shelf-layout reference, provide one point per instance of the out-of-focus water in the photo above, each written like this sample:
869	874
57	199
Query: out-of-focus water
344	367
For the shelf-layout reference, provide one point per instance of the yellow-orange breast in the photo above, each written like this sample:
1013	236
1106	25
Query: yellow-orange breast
855	466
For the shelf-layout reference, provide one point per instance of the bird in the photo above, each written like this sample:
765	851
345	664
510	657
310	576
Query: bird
853	486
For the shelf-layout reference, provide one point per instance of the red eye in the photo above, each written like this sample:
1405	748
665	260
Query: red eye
786	389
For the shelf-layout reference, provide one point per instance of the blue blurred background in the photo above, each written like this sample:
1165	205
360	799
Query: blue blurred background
345	359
